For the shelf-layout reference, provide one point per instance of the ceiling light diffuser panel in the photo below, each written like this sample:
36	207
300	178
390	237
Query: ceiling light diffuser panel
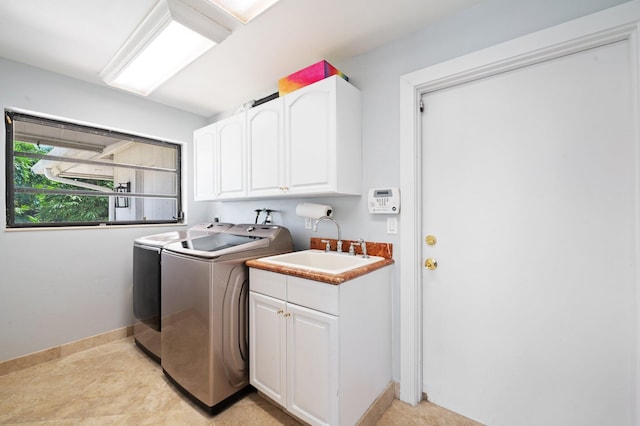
175	47
170	37
244	10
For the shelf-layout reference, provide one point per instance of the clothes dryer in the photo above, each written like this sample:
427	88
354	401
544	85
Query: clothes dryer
147	278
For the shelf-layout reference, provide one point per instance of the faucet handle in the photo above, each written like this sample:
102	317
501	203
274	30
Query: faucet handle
363	246
327	246
352	251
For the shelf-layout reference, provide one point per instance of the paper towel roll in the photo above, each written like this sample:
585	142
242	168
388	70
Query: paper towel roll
313	211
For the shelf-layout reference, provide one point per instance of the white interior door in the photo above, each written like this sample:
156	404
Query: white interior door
530	187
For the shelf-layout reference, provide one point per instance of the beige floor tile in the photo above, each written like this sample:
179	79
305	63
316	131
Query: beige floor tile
116	384
424	414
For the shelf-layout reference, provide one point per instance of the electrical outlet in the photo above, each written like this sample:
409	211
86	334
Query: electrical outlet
307	223
392	225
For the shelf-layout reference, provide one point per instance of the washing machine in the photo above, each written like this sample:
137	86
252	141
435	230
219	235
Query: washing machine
147	280
205	287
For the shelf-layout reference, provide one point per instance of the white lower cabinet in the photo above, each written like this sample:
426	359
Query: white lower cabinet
321	351
270	341
295	366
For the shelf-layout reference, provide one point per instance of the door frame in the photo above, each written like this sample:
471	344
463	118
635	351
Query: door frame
615	24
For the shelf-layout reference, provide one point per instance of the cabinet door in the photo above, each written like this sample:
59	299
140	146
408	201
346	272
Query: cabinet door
310	117
230	162
312	365
265	146
267	343
204	159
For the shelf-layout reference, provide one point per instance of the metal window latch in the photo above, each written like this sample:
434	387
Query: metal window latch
180	217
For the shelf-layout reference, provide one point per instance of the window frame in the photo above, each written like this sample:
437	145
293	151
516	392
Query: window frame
10	189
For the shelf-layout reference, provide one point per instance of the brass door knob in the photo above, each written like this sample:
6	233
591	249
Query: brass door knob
431	264
431	240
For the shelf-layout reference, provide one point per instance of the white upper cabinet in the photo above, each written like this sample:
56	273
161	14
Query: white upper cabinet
230	163
306	143
310	135
323	139
204	149
220	170
265	144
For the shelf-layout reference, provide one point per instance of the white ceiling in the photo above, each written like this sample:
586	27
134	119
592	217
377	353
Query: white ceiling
77	38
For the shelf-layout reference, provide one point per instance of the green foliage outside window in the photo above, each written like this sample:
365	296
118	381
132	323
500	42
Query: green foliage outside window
43	208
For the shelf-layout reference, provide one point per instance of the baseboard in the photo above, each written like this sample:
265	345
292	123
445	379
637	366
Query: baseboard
425	397
374	413
370	417
64	350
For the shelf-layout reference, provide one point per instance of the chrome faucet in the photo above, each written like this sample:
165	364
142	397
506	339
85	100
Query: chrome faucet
315	229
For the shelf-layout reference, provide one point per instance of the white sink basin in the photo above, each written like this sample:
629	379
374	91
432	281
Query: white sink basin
320	261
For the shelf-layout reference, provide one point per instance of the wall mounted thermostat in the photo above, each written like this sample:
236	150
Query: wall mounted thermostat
384	201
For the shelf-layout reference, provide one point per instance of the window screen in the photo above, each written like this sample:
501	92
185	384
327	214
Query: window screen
65	174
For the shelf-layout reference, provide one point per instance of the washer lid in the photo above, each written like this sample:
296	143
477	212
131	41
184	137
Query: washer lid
216	242
249	239
196	231
160	240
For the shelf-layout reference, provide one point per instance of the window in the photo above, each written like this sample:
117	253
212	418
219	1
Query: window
65	174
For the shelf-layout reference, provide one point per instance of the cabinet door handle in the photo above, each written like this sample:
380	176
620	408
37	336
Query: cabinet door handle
288	314
280	311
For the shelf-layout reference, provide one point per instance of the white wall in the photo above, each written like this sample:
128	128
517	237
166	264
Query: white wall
52	291
57	286
377	75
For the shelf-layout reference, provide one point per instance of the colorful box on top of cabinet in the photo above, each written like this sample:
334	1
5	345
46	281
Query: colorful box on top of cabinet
308	75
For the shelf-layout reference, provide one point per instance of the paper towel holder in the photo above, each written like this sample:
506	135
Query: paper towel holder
313	211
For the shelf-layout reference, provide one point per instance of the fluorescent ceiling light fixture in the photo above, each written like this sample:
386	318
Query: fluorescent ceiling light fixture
175	47
172	36
244	10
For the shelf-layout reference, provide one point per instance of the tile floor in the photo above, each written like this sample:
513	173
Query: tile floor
116	384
